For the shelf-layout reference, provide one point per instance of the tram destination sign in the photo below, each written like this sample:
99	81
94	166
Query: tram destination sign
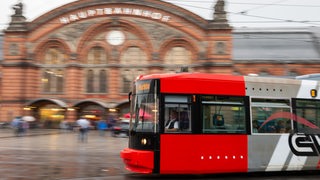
145	86
108	11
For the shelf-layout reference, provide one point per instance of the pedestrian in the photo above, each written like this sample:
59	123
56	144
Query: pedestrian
64	126
84	126
102	127
25	127
17	126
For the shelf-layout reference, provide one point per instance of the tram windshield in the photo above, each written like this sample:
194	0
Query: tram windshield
145	108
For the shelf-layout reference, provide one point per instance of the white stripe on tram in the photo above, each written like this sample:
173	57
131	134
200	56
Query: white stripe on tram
297	163
280	154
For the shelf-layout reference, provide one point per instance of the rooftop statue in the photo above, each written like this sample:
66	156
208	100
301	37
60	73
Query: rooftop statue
18	9
219	7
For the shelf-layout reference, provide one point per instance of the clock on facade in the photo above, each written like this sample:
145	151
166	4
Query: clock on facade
115	37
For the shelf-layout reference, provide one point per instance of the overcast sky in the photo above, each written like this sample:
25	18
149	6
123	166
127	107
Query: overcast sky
241	13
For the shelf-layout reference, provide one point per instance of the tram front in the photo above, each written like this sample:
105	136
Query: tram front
143	150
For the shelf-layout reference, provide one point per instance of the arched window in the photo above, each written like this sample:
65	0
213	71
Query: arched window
14	49
134	55
53	73
54	55
178	56
96	79
220	47
97	55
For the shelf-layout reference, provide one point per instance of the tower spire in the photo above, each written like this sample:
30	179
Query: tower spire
219	11
220	20
18	21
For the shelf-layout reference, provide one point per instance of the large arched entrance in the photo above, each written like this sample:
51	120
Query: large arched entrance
47	112
93	110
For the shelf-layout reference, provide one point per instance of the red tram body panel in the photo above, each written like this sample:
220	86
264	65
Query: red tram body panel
185	154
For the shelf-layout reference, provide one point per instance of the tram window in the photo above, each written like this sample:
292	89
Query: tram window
271	115
308	115
177	114
223	114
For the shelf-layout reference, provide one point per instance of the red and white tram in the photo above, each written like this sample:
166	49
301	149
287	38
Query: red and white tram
226	124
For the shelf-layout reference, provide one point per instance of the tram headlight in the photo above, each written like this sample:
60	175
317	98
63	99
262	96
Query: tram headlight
144	141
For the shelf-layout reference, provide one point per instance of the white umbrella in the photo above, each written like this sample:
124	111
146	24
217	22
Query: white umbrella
83	123
28	118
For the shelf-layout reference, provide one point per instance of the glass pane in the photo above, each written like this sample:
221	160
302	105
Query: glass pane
59	76
308	115
146	113
103	81
90	81
46	81
271	116
223	114
178	116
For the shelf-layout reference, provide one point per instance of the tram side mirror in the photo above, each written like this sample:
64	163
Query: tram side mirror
129	96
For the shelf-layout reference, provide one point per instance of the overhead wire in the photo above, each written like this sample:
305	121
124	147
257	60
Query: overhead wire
276	3
263	6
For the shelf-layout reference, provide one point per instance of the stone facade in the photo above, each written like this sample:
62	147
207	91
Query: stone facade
79	59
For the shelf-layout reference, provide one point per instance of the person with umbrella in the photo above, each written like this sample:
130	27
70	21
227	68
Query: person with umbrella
84	125
17	124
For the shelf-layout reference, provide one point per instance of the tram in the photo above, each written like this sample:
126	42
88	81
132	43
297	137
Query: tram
226	124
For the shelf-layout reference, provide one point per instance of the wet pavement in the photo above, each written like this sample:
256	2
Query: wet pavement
52	154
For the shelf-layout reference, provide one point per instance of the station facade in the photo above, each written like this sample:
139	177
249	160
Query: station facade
81	58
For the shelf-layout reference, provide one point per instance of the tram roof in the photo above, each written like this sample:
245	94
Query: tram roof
223	78
219	84
198	76
210	76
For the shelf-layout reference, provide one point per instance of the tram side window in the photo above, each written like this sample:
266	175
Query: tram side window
308	116
177	116
271	115
223	114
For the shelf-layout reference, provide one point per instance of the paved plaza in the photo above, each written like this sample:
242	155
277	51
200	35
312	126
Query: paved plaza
51	154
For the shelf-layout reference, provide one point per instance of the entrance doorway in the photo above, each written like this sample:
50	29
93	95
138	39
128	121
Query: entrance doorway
51	115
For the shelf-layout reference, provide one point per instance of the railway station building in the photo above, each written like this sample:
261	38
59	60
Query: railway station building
81	58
